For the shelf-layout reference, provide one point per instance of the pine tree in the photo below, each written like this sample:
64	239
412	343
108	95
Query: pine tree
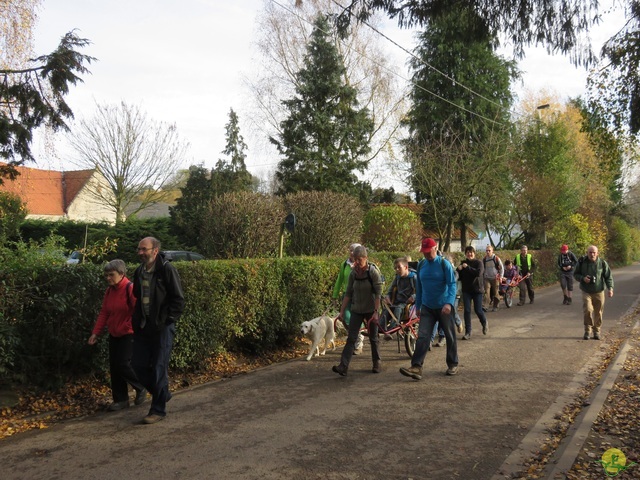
325	136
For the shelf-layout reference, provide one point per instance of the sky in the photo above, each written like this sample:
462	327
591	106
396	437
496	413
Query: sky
185	62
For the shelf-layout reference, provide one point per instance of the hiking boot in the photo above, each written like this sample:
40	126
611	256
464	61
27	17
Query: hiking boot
485	328
496	302
466	336
531	301
453	370
585	336
152	418
141	397
596	336
519	304
387	337
568	300
377	366
414	372
340	370
565	301
115	406
441	342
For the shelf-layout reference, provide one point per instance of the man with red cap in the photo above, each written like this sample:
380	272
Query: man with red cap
566	263
435	297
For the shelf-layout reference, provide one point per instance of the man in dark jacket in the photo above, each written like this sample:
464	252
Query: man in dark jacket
159	304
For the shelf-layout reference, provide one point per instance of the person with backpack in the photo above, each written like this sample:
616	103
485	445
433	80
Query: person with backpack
594	276
364	291
339	290
493	272
566	263
115	316
435	297
526	265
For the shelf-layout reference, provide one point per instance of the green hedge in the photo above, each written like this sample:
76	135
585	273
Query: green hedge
47	311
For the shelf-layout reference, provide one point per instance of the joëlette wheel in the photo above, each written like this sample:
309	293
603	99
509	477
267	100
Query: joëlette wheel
410	338
508	299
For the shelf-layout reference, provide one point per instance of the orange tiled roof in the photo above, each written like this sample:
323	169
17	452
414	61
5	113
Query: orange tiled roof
46	192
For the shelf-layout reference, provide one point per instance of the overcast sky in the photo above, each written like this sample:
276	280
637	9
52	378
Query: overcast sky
184	61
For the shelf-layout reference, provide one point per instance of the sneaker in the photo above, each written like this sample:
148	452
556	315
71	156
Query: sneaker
414	372
585	336
568	300
152	418
531	301
484	309
466	336
565	301
596	336
115	406
452	370
485	328
141	397
340	370
460	328
494	309
519	304
357	351
441	342
377	366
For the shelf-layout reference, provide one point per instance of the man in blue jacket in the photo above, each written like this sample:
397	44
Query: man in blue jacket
435	297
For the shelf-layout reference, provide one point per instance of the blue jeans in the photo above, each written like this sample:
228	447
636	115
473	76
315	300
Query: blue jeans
151	354
429	317
477	307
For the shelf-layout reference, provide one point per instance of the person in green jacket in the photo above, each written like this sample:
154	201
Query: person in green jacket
339	290
594	276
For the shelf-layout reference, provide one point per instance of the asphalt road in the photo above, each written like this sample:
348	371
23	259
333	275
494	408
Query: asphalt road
299	420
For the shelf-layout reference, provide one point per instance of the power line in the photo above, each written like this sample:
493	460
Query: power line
393	72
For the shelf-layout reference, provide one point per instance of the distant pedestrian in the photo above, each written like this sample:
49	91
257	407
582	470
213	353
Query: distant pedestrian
493	272
364	291
435	297
566	263
471	272
160	301
594	276
526	266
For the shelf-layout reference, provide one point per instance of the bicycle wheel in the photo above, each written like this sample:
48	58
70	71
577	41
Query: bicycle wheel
410	338
508	298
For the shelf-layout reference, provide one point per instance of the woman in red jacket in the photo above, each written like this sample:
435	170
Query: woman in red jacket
115	315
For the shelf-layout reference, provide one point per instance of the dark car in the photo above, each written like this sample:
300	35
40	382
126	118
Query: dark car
182	256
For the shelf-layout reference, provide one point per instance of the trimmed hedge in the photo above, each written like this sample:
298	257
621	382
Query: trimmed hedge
47	311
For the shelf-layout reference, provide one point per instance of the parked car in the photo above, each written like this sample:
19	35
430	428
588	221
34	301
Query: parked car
75	257
182	256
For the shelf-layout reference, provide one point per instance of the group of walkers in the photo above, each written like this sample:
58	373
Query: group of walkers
434	289
140	318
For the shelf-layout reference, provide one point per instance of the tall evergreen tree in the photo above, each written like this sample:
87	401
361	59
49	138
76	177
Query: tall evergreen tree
231	175
325	136
458	118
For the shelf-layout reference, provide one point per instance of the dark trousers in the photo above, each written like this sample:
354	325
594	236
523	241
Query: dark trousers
354	329
151	355
122	374
476	298
526	284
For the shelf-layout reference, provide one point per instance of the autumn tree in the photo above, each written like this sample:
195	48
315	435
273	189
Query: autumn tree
325	137
137	156
459	120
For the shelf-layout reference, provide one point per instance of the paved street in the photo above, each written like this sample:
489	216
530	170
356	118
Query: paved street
298	420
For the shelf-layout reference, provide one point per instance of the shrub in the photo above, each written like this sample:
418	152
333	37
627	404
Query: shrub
620	242
242	225
392	228
326	222
12	213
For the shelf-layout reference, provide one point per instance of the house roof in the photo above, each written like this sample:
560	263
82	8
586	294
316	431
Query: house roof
46	192
455	235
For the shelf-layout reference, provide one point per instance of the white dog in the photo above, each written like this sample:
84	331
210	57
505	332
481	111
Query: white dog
316	330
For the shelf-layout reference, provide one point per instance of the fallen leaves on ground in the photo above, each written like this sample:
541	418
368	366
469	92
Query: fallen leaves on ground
38	410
